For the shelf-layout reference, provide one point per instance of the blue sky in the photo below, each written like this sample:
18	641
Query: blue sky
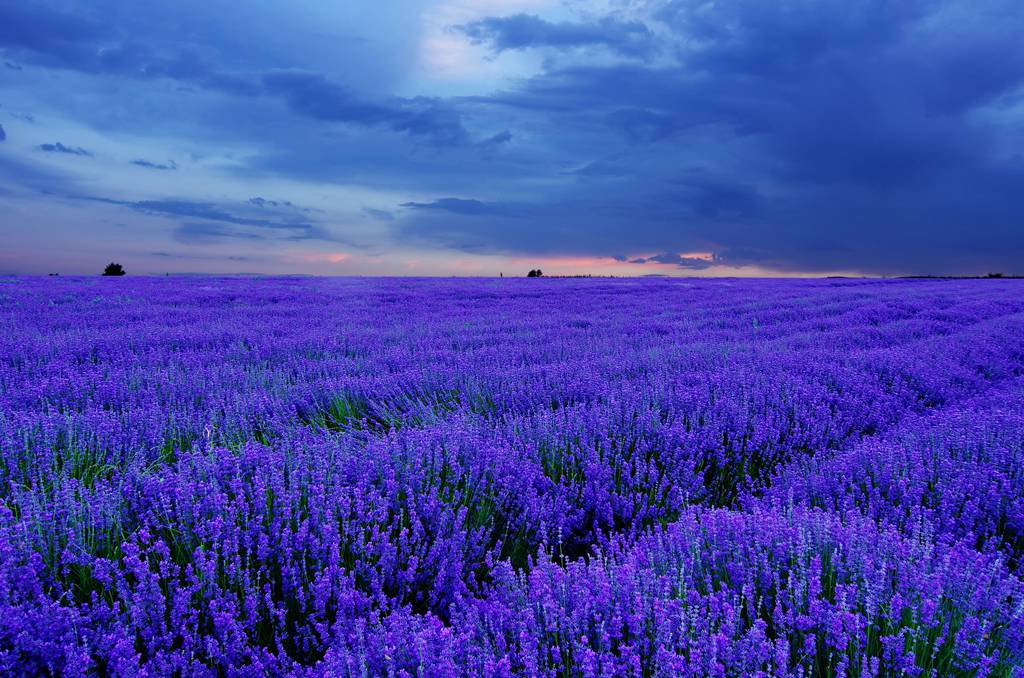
468	137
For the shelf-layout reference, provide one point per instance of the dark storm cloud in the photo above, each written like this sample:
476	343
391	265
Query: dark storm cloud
523	31
67	150
830	135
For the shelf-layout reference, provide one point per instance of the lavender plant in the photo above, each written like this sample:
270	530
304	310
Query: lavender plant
483	477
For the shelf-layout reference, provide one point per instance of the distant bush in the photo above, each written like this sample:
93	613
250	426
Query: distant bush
113	269
535	273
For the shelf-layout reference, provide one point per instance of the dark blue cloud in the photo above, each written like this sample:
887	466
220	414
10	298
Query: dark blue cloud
523	31
67	150
36	178
212	212
461	206
601	169
57	39
674	258
38	33
263	202
313	95
3	134
496	140
34	28
201	221
807	135
154	165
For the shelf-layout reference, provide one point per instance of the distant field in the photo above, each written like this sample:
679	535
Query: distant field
511	477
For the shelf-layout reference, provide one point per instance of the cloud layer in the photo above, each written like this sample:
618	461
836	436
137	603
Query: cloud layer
669	135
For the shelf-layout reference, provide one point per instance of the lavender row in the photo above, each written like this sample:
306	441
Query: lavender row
954	474
720	593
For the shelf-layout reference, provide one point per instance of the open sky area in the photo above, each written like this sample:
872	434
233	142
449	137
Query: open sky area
473	137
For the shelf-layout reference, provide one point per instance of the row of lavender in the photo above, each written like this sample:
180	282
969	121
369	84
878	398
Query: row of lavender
511	477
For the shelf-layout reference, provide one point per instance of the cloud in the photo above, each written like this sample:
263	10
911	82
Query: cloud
36	28
195	256
55	39
378	214
3	134
313	95
263	202
211	212
717	198
226	221
499	139
603	168
525	31
61	148
52	38
36	178
461	206
156	166
199	232
691	262
800	136
813	135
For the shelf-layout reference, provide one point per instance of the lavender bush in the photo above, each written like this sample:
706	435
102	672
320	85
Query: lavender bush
552	478
956	474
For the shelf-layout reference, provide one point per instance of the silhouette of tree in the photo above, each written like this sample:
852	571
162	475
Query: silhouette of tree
113	269
535	273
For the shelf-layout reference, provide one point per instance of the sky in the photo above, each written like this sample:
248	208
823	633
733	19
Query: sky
487	137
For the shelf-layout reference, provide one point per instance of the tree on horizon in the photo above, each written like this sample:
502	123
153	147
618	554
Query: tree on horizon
114	269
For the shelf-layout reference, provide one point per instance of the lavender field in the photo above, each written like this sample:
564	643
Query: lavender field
356	477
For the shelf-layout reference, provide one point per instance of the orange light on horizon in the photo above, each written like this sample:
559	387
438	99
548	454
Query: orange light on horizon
326	257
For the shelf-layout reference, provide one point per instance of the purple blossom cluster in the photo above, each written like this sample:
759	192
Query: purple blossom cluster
511	477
